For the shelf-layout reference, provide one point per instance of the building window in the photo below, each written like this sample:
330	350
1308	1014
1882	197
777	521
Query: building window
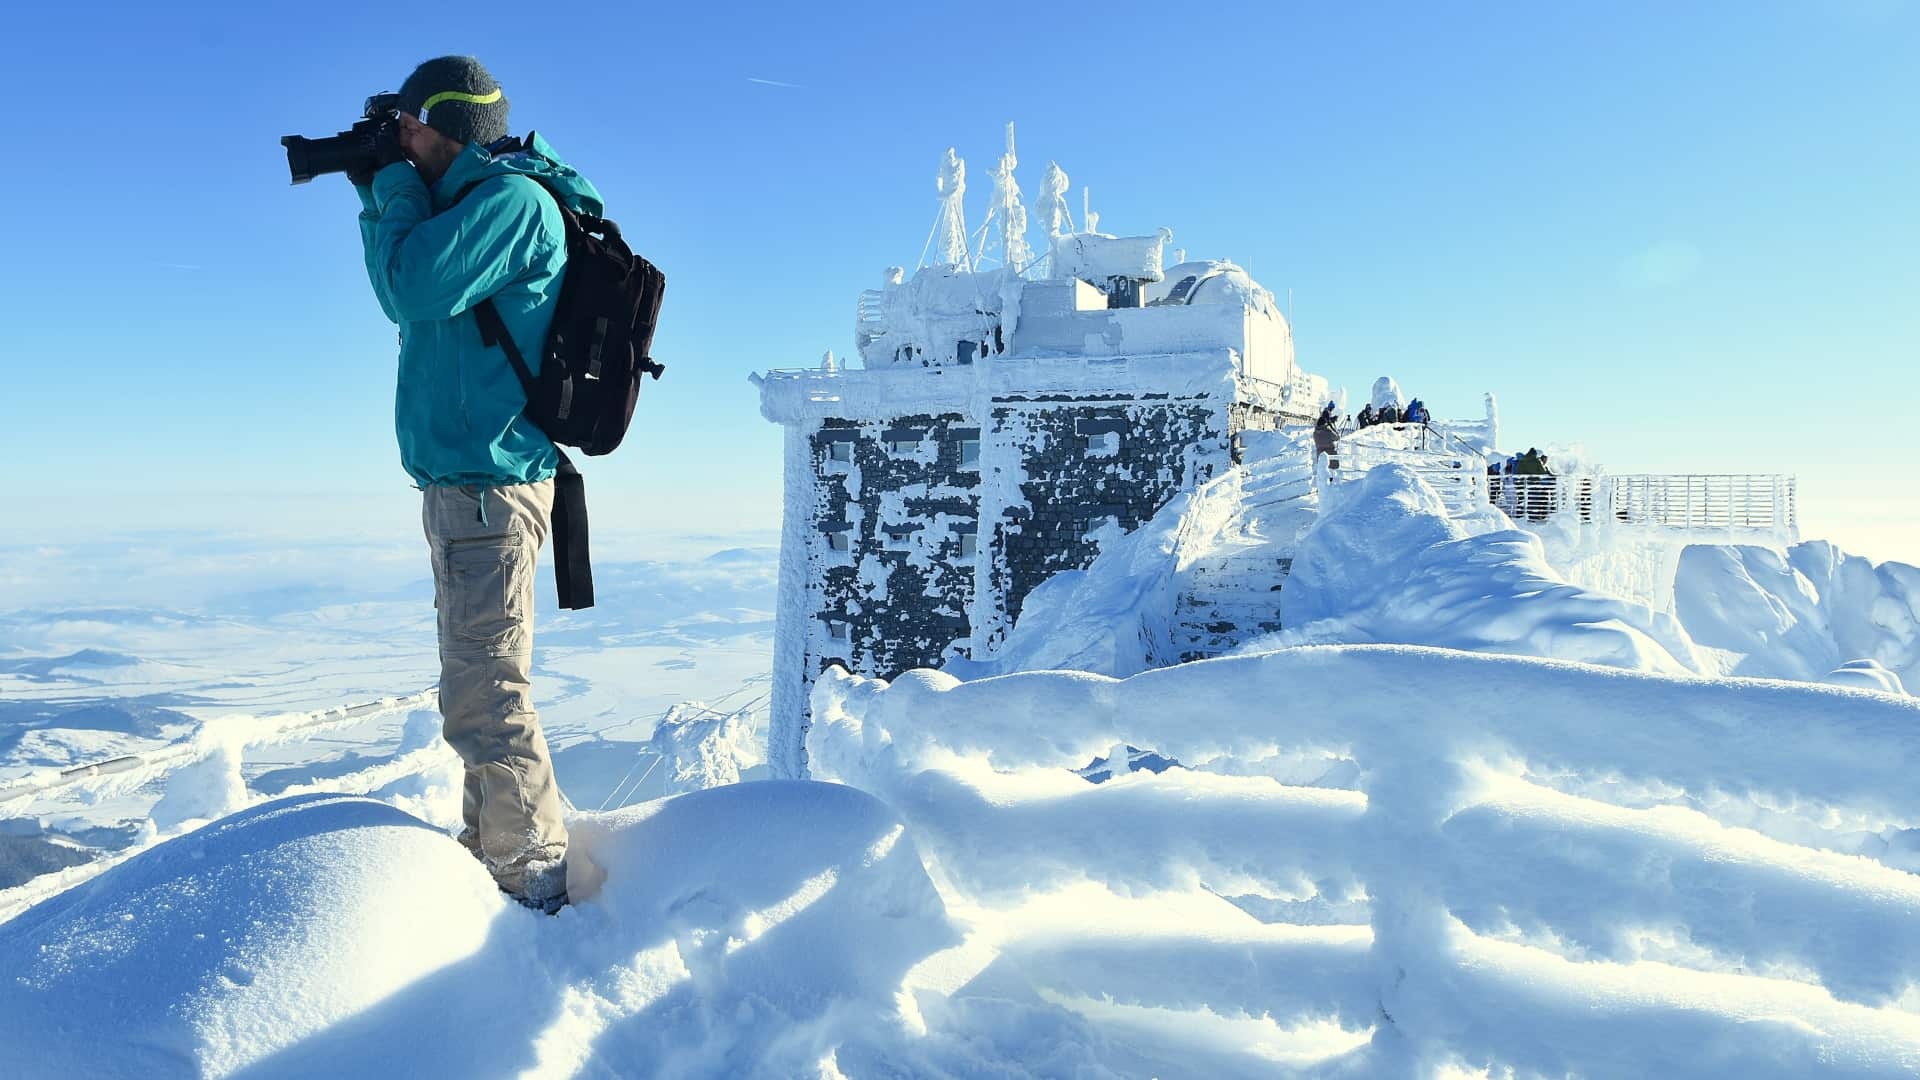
839	631
1104	445
903	446
839	541
969	544
899	537
969	453
841	451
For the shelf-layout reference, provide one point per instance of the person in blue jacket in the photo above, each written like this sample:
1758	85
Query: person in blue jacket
458	219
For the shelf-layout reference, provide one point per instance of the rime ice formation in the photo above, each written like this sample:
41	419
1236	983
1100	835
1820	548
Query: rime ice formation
1386	394
1052	203
950	242
1015	253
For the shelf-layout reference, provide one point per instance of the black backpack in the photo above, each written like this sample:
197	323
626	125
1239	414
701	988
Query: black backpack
597	349
590	369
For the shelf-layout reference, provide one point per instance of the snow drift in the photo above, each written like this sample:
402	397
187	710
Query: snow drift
1803	613
1387	860
744	930
1388	564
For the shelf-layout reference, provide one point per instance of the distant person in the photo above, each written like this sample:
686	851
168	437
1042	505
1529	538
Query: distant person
452	218
1367	417
1326	437
1417	412
1536	483
1389	413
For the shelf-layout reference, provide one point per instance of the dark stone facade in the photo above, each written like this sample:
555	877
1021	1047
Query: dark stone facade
1088	463
897	530
901	588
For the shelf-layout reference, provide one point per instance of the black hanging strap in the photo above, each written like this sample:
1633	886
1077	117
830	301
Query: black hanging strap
572	564
572	570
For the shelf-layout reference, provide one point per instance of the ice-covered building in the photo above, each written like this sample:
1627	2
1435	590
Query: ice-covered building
1016	416
1003	425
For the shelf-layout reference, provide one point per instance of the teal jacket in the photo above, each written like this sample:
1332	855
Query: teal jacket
457	403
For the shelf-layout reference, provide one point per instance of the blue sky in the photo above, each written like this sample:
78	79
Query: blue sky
1683	235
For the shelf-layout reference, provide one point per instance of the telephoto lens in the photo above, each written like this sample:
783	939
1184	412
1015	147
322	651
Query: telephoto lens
356	147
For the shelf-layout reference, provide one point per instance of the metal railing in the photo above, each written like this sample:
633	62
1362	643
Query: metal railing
1295	397
1452	467
267	730
1762	502
1705	500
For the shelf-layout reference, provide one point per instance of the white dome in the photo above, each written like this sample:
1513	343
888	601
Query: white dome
1212	281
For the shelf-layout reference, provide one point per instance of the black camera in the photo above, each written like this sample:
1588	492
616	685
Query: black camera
357	148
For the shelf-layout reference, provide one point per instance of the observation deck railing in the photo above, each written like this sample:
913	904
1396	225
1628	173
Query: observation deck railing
1762	502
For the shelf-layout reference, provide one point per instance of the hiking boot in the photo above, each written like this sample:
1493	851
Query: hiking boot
470	839
536	883
551	905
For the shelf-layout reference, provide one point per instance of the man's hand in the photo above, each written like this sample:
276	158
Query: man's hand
386	151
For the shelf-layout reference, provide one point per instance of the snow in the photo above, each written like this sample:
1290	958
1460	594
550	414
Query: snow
1802	613
1386	392
752	928
238	940
211	786
1368	859
1389	564
1097	257
1215	281
1530	867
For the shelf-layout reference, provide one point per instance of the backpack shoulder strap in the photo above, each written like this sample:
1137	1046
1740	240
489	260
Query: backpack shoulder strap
493	331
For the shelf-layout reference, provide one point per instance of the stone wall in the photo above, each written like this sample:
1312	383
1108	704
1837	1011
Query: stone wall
889	585
1091	468
901	515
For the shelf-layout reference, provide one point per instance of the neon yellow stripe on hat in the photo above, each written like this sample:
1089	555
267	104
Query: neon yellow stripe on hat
456	95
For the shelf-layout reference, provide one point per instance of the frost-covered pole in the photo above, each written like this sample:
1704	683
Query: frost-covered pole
950	243
1053	201
1013	215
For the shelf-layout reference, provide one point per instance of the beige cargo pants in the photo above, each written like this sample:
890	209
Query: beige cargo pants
486	543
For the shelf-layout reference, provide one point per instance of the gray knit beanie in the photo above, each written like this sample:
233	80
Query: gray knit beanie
460	99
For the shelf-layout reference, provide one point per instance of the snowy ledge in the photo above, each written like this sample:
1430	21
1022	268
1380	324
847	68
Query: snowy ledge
788	396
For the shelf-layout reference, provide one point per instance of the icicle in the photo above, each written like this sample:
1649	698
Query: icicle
950	243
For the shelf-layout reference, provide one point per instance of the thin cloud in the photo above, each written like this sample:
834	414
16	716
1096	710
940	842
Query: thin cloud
775	82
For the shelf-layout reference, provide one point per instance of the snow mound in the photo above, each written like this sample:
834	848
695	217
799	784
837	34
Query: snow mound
1387	564
227	944
1866	674
747	930
1801	613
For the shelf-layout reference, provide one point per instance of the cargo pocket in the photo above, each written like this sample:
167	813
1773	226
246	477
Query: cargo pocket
490	593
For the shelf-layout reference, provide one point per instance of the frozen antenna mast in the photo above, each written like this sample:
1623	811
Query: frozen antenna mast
1011	212
1053	201
950	229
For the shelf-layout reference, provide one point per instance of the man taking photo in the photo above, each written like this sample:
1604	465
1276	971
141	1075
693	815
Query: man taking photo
453	217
